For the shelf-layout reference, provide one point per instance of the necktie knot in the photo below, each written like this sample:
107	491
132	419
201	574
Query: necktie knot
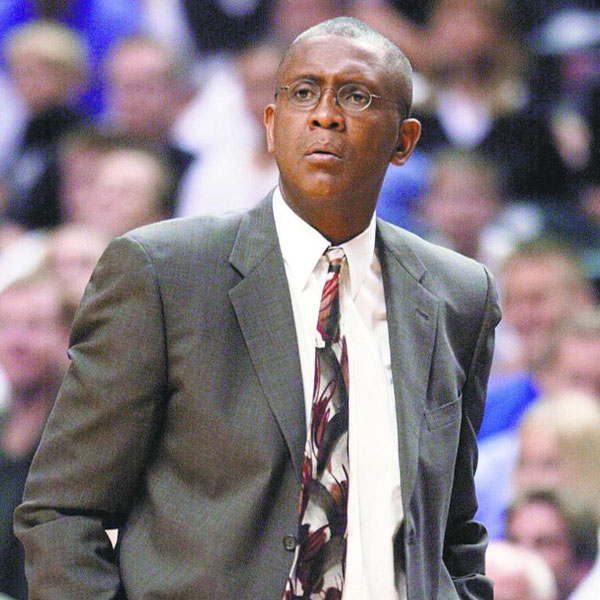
329	309
335	256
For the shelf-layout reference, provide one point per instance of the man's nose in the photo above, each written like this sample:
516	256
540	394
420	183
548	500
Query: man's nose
327	113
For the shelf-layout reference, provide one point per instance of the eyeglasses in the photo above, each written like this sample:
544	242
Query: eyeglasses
353	97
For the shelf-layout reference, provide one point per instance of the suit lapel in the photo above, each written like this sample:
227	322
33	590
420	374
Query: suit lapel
263	307
412	315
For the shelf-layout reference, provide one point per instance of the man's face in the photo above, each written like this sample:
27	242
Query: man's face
124	193
324	153
142	96
33	342
41	83
539	526
539	463
537	299
461	203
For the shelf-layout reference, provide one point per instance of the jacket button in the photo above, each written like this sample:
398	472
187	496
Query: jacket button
290	543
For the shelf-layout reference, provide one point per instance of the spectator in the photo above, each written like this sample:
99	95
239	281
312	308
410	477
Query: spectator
34	329
131	187
147	89
71	255
518	573
100	22
79	156
556	445
572	359
476	97
559	444
239	178
465	209
48	65
542	285
562	529
21	252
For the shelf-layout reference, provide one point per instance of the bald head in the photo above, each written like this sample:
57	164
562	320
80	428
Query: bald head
393	59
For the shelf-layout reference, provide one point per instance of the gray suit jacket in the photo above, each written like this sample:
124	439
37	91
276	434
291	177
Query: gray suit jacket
181	419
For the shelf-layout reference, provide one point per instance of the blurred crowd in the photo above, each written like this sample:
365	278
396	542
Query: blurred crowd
118	113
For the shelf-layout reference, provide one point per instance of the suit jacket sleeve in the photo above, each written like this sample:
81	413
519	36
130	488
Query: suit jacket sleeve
466	540
98	439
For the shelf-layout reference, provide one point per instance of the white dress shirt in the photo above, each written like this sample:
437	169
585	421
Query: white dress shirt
374	504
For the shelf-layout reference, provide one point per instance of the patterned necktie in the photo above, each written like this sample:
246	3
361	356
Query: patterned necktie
318	570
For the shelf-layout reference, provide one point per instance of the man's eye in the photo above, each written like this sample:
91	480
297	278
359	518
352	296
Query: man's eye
303	93
357	97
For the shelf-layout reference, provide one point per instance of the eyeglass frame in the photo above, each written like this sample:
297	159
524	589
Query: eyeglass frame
400	104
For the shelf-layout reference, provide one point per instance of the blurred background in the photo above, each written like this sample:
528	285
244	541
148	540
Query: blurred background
118	113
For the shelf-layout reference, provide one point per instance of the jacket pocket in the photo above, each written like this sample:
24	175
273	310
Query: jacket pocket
442	415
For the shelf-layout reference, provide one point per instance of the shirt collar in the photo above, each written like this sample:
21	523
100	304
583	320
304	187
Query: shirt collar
302	246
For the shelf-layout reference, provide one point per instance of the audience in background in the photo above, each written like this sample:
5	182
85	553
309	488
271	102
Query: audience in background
561	528
572	357
132	186
48	65
243	175
476	97
100	22
542	285
465	209
79	155
556	445
72	251
148	87
34	327
519	573
402	22
559	445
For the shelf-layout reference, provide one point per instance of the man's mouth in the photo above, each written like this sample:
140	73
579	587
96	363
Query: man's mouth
323	150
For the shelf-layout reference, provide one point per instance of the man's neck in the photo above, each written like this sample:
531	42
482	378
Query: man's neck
335	219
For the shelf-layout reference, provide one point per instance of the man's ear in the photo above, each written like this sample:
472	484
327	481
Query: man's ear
268	120
408	136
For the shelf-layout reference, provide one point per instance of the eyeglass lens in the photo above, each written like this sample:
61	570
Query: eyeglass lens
352	96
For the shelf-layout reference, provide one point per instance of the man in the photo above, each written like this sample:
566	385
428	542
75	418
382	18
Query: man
34	333
561	528
572	359
129	188
543	285
183	420
147	89
47	63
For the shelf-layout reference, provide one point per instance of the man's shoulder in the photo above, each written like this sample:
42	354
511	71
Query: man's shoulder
184	230
207	230
175	244
434	260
